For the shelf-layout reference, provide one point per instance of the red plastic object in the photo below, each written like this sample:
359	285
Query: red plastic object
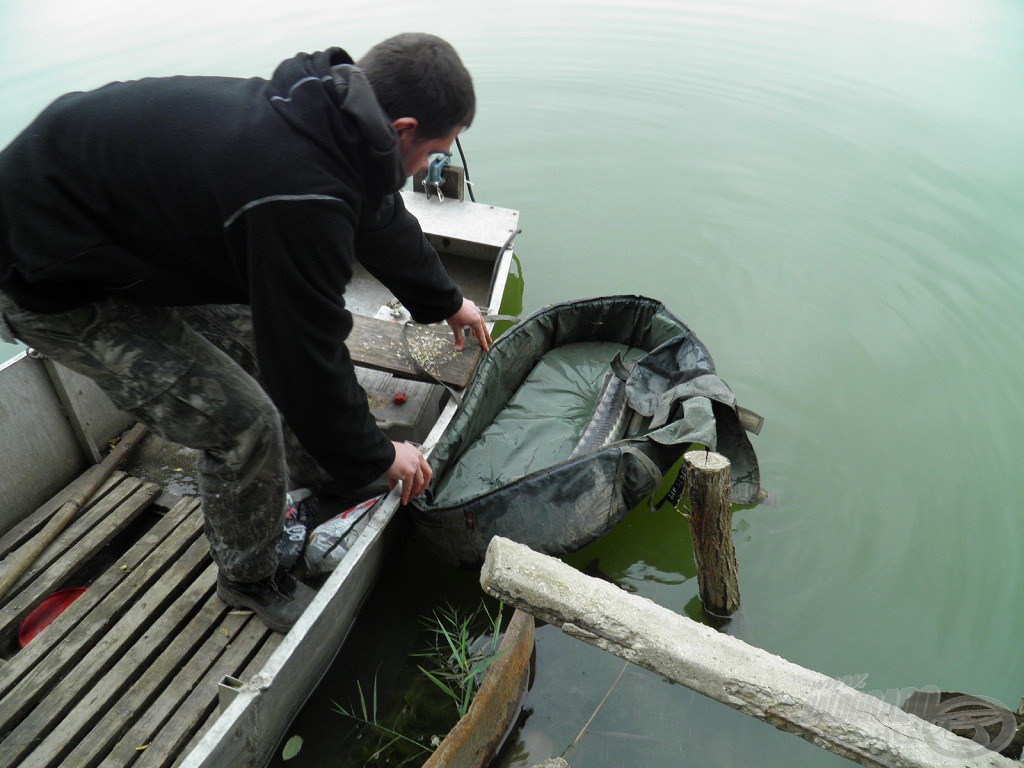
399	398
48	610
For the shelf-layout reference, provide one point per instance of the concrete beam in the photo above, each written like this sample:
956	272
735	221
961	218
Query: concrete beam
818	708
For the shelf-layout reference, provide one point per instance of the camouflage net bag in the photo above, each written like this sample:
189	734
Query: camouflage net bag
570	421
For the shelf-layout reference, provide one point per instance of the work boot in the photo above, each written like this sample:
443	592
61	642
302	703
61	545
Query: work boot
278	600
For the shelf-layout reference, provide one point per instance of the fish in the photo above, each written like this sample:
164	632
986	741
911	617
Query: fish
611	414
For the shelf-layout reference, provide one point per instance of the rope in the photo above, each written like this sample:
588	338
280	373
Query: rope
596	710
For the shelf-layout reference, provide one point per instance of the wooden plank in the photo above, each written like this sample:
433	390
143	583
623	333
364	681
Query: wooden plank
824	711
398	348
189	721
142	618
209	723
112	511
146	726
162	683
142	565
63	719
78	544
255	665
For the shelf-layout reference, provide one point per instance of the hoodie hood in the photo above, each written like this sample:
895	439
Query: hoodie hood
327	98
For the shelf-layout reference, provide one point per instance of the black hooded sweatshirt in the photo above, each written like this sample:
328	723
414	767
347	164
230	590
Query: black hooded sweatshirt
194	190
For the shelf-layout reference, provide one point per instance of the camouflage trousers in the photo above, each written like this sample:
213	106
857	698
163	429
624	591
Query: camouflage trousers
190	374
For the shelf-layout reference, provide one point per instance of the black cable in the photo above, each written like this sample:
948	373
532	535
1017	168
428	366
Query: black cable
465	166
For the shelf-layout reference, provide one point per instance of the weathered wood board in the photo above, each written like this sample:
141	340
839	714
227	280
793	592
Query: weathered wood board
131	670
409	350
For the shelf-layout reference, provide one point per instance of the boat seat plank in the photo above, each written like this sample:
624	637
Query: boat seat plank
143	726
407	350
141	620
64	717
81	626
90	532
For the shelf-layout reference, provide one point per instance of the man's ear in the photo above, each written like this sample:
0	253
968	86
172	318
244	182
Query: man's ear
406	124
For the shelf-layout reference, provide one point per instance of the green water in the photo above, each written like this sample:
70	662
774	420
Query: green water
829	192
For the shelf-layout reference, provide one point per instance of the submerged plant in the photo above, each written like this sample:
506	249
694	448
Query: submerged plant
367	715
458	655
460	661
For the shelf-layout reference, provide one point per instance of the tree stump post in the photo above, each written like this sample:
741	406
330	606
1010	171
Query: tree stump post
707	479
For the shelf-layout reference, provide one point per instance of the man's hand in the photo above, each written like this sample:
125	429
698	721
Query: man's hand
410	469
470	316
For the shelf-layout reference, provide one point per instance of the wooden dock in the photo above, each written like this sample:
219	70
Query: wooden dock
129	674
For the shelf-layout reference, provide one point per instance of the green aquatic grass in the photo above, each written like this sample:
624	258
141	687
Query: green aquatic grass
368	716
462	646
460	661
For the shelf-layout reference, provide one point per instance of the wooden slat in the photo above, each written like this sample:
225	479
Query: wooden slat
380	345
63	719
184	654
256	664
141	616
146	725
209	723
188	723
78	544
35	522
266	649
136	570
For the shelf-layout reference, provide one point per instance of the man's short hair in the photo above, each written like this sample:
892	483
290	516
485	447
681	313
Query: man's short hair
420	75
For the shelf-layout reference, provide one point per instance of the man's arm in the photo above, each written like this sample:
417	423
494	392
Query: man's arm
299	265
392	247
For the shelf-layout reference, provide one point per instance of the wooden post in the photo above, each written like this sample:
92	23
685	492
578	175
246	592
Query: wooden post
824	711
707	479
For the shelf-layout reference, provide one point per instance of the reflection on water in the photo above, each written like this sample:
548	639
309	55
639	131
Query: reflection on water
7	351
829	193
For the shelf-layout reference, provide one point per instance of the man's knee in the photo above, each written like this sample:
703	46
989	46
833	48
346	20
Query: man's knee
232	424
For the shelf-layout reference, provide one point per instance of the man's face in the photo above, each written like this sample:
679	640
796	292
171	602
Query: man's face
415	151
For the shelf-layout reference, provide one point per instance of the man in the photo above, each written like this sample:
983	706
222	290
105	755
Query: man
142	220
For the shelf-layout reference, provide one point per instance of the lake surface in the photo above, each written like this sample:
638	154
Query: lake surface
829	193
